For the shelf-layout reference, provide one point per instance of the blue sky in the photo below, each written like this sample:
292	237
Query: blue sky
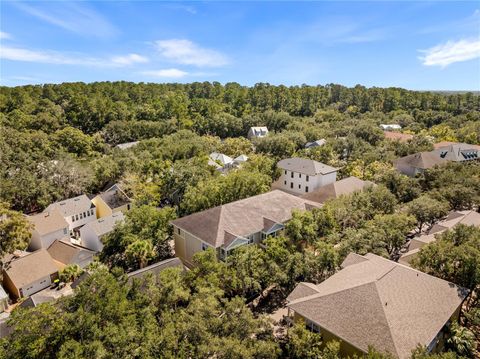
415	45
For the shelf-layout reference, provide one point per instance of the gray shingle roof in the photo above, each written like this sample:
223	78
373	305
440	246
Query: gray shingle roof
243	217
305	166
71	206
382	303
67	253
106	224
114	197
156	268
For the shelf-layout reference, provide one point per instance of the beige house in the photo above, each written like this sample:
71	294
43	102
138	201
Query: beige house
47	227
231	225
336	189
29	274
64	253
467	218
376	302
92	233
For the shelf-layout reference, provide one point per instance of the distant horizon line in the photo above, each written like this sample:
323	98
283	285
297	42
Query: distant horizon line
235	82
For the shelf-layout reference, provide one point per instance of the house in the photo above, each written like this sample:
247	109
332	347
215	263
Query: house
77	211
221	159
111	201
300	175
35	300
397	136
29	274
336	189
65	253
91	234
155	268
237	161
126	145
317	143
467	218
458	152
47	227
257	132
234	224
417	163
390	127
376	302
3	300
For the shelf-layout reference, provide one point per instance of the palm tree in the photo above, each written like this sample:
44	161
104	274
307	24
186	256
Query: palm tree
140	251
70	273
462	340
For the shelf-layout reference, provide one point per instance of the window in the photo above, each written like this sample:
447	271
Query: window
84	215
76	217
128	207
88	213
307	178
291	184
178	230
204	246
299	175
291	175
285	171
306	188
299	186
93	211
285	183
73	218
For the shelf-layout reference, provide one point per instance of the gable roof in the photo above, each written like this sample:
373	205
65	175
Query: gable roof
258	130
336	189
105	224
316	143
220	157
29	268
114	197
382	303
156	268
241	158
67	253
422	160
468	218
241	218
35	300
71	206
48	222
305	166
458	152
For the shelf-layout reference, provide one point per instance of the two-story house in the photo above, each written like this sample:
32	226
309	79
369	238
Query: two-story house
376	302
92	233
47	227
235	224
300	175
77	211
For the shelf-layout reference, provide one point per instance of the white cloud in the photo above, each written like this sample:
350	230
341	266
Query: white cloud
450	52
59	58
186	52
168	73
129	59
5	35
74	17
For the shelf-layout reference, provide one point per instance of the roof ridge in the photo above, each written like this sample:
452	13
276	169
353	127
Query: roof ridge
385	316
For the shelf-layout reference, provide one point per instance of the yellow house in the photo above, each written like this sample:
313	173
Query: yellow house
376	302
111	201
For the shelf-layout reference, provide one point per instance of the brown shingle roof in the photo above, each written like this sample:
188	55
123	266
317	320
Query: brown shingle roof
114	197
305	166
48	222
397	136
382	303
336	189
28	269
243	217
67	253
422	160
156	268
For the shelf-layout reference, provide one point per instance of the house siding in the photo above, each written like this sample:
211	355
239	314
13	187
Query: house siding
299	182
37	241
90	239
186	245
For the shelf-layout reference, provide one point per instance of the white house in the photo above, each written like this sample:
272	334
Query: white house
389	127
3	300
300	175
77	211
91	234
257	132
47	227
